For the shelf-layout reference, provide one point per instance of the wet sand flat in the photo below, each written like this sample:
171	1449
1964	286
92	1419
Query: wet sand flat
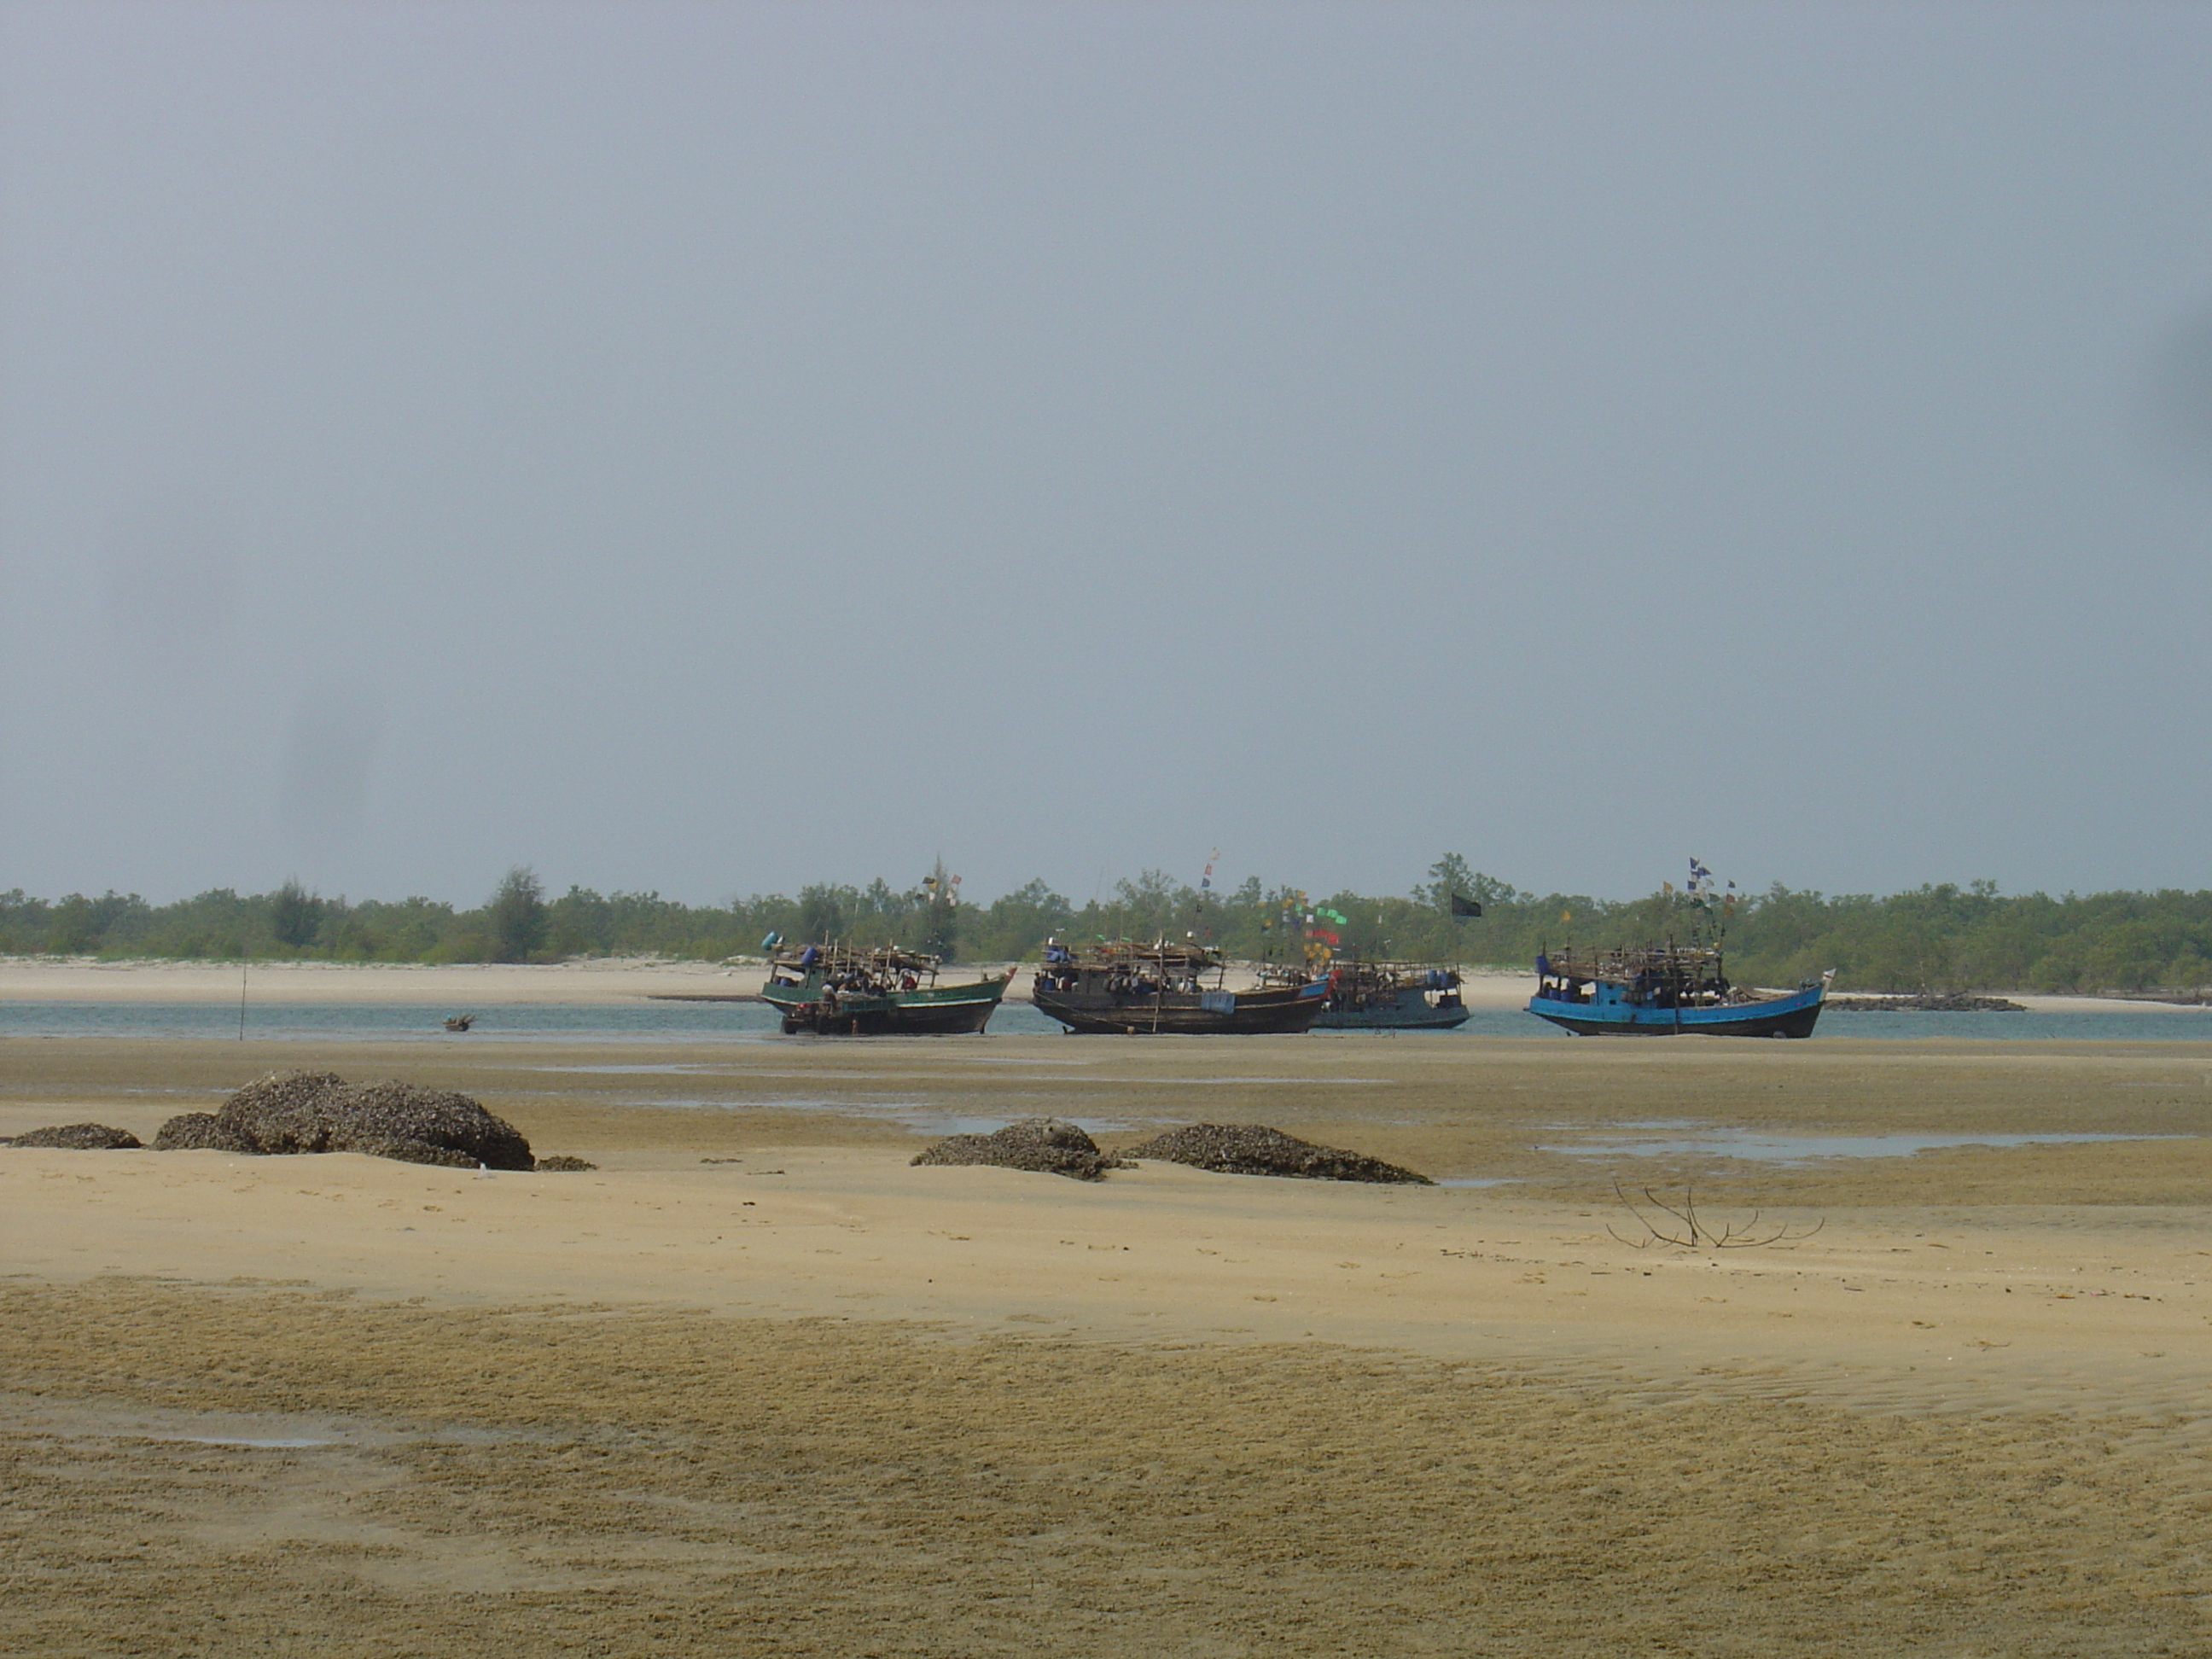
806	1398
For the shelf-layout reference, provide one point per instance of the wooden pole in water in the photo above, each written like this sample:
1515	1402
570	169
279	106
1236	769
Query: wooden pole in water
241	1001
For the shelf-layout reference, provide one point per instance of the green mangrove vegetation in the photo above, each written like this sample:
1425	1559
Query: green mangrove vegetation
1936	937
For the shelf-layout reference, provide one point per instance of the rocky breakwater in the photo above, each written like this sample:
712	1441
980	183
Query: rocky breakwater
1255	1149
290	1112
1926	1002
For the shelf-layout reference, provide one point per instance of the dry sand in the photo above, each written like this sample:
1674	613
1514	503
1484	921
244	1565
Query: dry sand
757	1385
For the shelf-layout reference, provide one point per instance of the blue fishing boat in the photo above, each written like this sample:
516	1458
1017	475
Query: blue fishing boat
1666	990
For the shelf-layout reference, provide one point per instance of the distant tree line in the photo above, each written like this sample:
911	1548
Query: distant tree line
1936	937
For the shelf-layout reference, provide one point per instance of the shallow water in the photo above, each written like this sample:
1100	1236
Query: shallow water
1760	1146
918	1115
221	1440
646	1021
945	1123
2132	1022
653	1068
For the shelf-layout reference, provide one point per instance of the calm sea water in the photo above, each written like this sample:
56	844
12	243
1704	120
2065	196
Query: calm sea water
726	1022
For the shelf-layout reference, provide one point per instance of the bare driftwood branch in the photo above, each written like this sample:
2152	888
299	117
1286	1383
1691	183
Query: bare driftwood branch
1686	1230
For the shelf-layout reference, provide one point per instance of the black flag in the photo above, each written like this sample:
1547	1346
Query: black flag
1462	906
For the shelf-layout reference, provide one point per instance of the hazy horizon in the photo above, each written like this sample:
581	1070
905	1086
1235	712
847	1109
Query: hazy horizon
713	449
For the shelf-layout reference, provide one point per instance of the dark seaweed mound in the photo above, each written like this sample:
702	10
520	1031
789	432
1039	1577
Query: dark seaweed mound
283	1112
196	1132
1046	1146
79	1137
561	1163
427	1126
1255	1149
320	1112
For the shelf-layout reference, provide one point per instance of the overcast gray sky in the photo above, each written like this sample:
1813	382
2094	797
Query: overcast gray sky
714	447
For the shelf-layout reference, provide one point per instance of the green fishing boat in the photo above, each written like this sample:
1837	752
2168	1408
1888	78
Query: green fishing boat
841	990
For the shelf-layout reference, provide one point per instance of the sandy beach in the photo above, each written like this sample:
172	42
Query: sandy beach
600	981
596	982
757	1385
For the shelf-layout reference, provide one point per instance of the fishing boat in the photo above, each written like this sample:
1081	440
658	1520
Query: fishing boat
841	990
1391	996
1161	987
1666	990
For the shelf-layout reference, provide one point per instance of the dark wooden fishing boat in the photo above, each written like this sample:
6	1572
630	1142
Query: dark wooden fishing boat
839	990
1666	990
1125	987
1391	996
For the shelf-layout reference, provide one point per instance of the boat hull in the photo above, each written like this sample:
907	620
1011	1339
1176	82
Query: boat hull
943	1010
1405	1010
1790	1015
1203	1013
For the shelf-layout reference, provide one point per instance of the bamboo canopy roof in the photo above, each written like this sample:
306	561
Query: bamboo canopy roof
1363	973
1381	972
1164	955
833	959
1658	961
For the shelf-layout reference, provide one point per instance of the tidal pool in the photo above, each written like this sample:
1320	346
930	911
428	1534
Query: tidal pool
1763	1147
